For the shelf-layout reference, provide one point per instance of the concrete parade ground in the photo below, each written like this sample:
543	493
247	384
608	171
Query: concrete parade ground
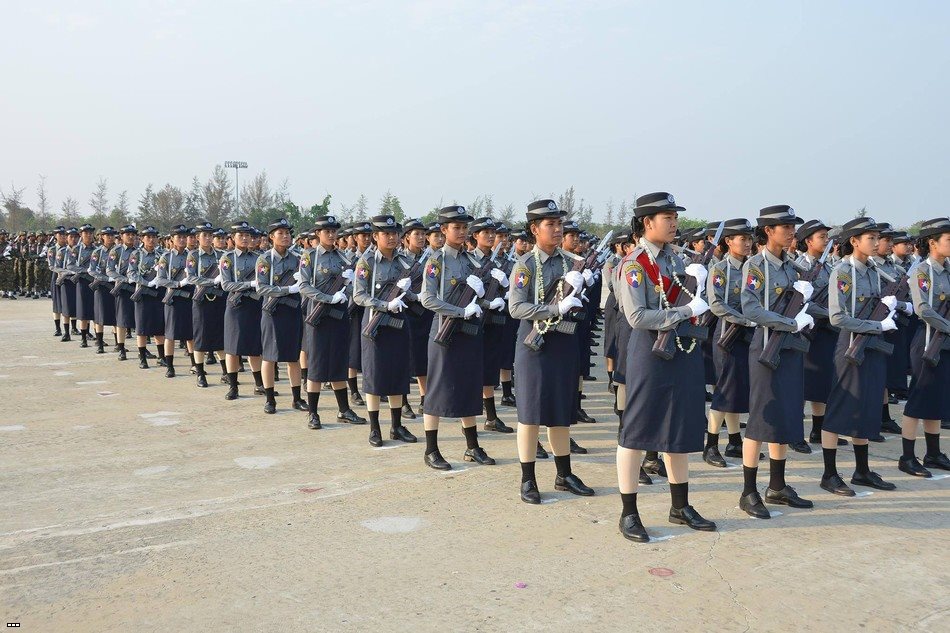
132	502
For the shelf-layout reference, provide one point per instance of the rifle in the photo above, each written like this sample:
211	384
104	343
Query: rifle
462	295
236	296
665	345
329	286
270	303
201	292
389	292
938	341
535	340
143	289
121	286
874	310
171	293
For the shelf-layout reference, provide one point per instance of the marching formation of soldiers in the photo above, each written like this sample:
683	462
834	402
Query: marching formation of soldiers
770	315
23	269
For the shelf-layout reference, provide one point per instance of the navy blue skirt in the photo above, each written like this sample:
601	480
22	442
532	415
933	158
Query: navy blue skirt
732	373
777	398
898	362
709	363
85	300
207	324
419	326
355	354
546	389
610	326
178	317
104	305
242	328
492	341
819	365
621	341
281	333
510	342
149	316
929	396
67	298
124	310
327	347
666	403
54	292
385	360
454	387
854	401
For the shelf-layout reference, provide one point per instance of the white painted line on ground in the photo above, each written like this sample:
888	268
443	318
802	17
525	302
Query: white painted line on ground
393	525
255	463
13	427
62	373
146	548
150	470
92	382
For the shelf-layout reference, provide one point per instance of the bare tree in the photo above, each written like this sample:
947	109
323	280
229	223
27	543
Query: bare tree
507	215
282	195
609	221
863	211
585	213
120	212
169	206
12	201
360	209
565	202
146	209
70	209
622	213
44	213
99	201
218	203
256	195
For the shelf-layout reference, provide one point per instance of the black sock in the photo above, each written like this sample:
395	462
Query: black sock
99	341
115	337
908	447
885	413
748	479
471	436
735	439
258	379
200	368
84	332
296	392
563	465
341	402
776	474
679	495
160	351
527	471
351	383
313	401
629	501
142	351
269	393
490	413
232	379
395	417
422	401
712	439
121	346
610	378
224	366
653	455
170	361
373	421
56	321
933	443
861	459
816	423
506	388
191	357
432	441
830	456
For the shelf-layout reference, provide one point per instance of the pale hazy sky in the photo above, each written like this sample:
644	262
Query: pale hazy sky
732	106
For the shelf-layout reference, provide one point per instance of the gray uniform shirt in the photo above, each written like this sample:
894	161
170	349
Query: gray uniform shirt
171	268
318	267
238	270
118	265
724	291
765	278
445	270
929	288
526	287
855	285
638	289
372	271
271	266
142	266
821	281
198	263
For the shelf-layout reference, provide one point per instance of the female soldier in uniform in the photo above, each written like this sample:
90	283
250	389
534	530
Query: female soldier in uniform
664	398
207	317
242	314
455	369
51	254
418	318
172	274
510	331
78	263
929	397
731	396
385	360
852	403
104	302
149	316
281	320
777	396
361	234
118	270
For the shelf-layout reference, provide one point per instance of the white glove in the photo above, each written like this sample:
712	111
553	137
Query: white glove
338	297
699	272
184	282
476	284
472	309
888	323
497	304
698	305
890	301
253	283
575	279
294	289
500	277
153	283
404	284
347	274
218	280
396	305
805	288
569	302
298	276
909	308
588	277
507	294
803	319
583	295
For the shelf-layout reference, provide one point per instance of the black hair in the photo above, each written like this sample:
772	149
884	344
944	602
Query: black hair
845	247
759	235
637	227
923	246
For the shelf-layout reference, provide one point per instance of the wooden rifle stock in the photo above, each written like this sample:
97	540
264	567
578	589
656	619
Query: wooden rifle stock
874	310
938	340
788	305
461	297
389	292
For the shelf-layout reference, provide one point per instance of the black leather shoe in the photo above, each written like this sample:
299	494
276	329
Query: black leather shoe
871	480
357	399
733	450
75	331
375	438
435	460
122	355
270	407
479	456
892	399
890	426
161	362
143	364
224	379
713	457
787	497
800	446
202	381
349	417
407	411
498	426
752	505
83	342
690	518
633	530
655	467
573	484
100	349
169	372
708	397
314	422
194	370
232	394
66	338
877	438
645	478
581	416
508	401
577	449
911	466
402	434
301	405
938	461
529	492
835	485
814	438
540	453
149	354
259	391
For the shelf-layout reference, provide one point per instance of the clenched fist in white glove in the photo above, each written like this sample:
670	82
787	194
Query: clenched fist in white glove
803	319
588	277
805	288
888	323
698	305
499	275
497	304
254	284
472	309
219	279
396	305
568	303
347	274
338	297
294	289
153	283
476	284
575	279
699	272
298	276
890	301
908	308
184	282
404	284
